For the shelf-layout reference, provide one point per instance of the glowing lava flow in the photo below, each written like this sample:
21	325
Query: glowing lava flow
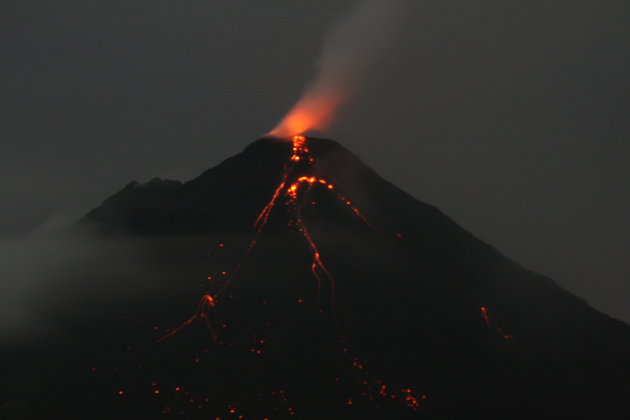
485	315
317	263
300	155
299	149
291	188
293	193
205	304
488	320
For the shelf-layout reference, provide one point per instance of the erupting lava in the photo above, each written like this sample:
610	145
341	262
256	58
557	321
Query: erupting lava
205	304
301	153
292	193
489	321
297	181
313	112
291	190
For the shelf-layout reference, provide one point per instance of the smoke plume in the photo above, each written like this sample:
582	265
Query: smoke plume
352	49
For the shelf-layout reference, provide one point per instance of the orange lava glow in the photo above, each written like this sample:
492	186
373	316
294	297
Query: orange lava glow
490	322
410	400
262	218
485	316
206	303
298	180
300	153
299	148
312	112
292	191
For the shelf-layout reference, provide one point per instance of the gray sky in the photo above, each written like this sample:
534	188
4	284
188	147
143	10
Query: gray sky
510	116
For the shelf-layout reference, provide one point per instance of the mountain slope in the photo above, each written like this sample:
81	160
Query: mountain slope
355	301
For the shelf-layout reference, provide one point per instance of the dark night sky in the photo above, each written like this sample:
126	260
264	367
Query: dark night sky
509	115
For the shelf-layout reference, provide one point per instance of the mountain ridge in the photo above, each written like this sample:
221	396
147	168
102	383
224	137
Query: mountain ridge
347	268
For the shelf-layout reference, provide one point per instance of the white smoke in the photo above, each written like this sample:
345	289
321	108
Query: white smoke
352	50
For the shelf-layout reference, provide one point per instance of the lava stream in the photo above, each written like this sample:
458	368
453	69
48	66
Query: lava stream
300	154
490	322
293	193
205	304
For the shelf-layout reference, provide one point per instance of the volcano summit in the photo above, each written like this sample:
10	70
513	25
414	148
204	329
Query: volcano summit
292	281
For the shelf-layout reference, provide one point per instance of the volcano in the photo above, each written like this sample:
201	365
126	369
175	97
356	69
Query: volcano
292	281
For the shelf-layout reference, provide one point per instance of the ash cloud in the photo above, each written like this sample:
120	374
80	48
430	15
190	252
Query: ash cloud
55	283
47	277
352	50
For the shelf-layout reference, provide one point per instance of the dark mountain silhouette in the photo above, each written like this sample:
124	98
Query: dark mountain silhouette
419	320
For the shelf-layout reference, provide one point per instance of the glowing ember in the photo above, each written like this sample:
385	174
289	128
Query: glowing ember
299	148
